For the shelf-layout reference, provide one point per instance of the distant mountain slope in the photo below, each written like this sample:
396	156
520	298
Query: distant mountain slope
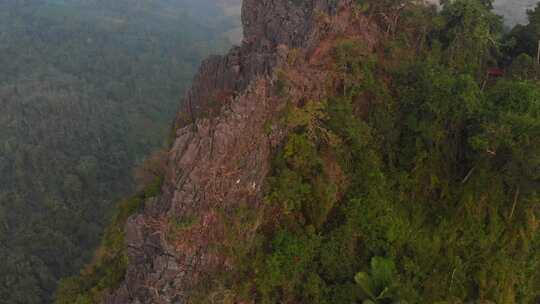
87	89
342	154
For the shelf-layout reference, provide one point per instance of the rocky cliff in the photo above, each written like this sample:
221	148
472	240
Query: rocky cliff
347	152
224	143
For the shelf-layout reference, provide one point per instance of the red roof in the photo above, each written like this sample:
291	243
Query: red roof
495	72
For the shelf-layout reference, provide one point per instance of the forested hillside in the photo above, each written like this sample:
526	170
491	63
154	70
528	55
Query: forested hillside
350	151
87	90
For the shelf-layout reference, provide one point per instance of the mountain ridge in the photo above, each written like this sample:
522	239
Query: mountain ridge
346	152
207	152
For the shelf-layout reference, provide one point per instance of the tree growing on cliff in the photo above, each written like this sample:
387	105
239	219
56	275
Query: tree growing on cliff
471	35
525	39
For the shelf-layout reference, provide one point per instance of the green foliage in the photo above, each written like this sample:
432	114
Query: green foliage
353	64
377	284
281	82
287	266
471	34
87	90
409	171
524	67
107	270
523	39
413	162
154	188
514	133
177	225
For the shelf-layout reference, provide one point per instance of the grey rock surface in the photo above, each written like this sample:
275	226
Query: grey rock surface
220	157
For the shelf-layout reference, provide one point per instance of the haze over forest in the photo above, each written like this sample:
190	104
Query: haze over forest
89	90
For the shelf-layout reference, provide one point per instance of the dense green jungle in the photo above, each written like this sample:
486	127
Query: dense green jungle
87	90
415	180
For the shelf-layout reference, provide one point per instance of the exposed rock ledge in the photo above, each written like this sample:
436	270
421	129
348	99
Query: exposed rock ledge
222	154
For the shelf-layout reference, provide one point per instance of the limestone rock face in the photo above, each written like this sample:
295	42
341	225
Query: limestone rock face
266	25
226	139
223	147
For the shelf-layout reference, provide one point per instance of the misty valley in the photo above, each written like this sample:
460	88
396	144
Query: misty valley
87	90
269	151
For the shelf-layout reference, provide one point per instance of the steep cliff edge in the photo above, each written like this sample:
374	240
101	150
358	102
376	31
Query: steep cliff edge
348	152
222	154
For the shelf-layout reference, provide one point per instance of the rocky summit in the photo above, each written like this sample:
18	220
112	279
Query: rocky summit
347	151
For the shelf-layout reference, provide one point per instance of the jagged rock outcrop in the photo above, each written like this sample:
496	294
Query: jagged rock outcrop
223	148
267	24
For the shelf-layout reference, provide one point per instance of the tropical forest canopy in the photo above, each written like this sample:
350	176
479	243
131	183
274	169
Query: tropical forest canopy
87	90
416	181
